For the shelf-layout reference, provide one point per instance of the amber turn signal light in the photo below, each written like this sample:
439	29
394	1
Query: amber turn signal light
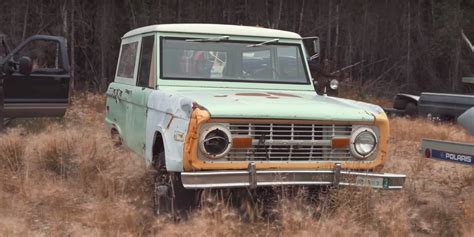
340	142
242	142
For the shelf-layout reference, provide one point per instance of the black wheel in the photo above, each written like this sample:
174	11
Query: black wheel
116	139
169	195
411	109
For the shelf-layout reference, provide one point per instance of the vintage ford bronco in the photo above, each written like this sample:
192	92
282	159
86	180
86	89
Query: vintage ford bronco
224	106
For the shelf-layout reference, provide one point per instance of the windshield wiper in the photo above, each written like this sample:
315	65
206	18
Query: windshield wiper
263	43
217	39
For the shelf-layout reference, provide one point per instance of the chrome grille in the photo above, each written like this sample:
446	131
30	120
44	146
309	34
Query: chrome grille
289	142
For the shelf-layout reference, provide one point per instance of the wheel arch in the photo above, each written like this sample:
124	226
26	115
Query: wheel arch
115	130
401	100
158	147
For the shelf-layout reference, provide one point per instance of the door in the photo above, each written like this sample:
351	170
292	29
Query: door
45	92
127	97
119	92
138	96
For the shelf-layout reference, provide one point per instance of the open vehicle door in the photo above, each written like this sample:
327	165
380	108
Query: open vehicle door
36	78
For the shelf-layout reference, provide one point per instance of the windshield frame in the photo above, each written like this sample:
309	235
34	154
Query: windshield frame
248	42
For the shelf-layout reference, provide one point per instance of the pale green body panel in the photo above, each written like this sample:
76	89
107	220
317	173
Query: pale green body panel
128	113
273	104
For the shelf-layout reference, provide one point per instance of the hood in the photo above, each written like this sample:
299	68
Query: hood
279	105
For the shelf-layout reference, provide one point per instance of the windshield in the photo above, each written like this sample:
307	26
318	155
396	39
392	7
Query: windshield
232	61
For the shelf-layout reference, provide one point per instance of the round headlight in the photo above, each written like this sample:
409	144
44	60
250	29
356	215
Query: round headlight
334	84
215	141
364	142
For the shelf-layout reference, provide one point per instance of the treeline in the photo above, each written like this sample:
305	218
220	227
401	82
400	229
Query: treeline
389	45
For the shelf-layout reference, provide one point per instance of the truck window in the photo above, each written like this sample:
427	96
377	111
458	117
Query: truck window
145	74
183	59
288	69
127	60
44	54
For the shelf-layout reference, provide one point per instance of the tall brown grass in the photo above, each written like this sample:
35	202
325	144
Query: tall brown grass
66	177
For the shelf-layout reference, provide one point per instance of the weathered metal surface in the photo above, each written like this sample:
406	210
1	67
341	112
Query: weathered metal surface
159	112
169	115
448	106
467	120
289	142
235	179
448	151
225	103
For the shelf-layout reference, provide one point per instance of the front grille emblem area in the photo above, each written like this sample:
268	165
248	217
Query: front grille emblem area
261	140
289	142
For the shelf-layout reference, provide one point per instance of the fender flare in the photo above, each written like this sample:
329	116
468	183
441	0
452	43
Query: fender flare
173	161
158	133
112	125
401	100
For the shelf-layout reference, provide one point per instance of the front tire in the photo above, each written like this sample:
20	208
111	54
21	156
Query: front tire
169	196
411	109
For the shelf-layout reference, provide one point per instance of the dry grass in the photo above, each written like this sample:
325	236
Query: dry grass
65	177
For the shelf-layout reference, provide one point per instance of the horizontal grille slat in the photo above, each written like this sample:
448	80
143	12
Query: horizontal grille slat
273	135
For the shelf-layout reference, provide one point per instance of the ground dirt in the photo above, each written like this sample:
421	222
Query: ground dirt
65	178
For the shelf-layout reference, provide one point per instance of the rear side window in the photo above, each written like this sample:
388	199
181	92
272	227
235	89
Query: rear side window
127	60
145	74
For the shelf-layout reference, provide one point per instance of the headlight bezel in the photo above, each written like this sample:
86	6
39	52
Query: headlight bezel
205	131
334	84
356	134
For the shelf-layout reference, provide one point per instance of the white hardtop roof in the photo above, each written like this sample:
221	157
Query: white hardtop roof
214	29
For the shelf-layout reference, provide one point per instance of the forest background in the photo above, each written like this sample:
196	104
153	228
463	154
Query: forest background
410	45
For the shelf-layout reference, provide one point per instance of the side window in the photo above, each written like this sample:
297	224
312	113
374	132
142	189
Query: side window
127	60
145	69
44	54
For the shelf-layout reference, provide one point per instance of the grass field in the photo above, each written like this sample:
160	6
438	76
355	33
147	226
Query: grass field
64	177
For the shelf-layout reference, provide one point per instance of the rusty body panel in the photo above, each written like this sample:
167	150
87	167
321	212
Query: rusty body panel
199	117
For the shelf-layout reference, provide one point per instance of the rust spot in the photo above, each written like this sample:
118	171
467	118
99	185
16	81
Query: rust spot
198	106
171	120
282	94
252	94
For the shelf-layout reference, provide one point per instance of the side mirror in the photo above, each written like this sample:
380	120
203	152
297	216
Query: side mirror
25	65
316	49
316	46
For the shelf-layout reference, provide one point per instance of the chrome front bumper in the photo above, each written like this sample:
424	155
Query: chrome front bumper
252	178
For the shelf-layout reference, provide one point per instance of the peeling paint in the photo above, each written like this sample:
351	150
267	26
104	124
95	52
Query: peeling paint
168	114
